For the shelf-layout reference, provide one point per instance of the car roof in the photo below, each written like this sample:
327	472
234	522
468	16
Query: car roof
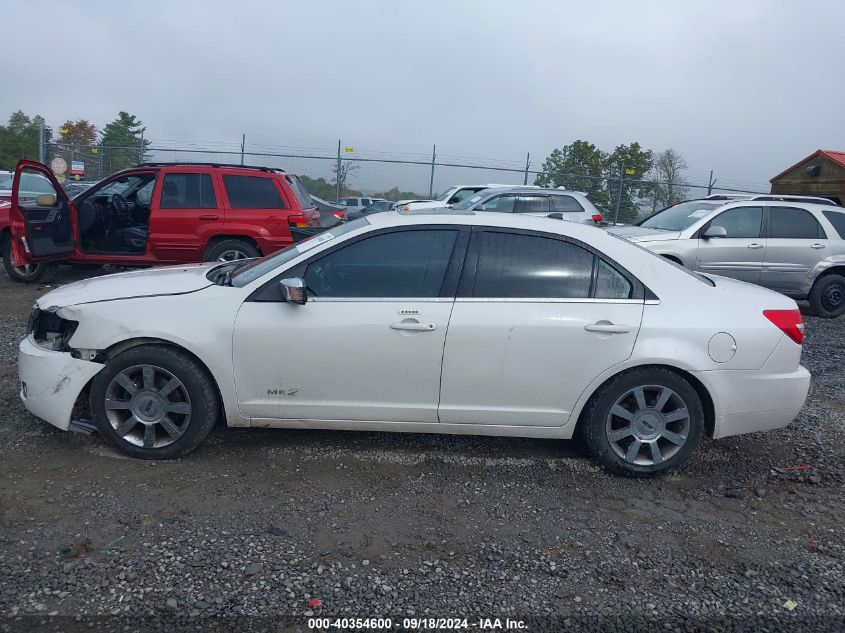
530	189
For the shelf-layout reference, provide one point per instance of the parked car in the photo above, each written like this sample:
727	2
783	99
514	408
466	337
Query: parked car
376	207
155	213
457	322
32	185
551	203
331	214
353	204
790	244
448	198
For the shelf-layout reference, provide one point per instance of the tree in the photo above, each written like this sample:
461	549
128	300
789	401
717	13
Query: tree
628	158
394	195
80	132
578	166
342	171
123	142
319	187
669	166
19	139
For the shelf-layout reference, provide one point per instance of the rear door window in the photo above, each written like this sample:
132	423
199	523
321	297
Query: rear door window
837	219
793	223
187	191
252	192
534	204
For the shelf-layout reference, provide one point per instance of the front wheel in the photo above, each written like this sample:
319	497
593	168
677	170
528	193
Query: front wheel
28	274
644	422
827	298
154	402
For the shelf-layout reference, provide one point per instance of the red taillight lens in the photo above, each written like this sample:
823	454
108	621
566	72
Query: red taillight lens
340	215
298	220
597	218
790	323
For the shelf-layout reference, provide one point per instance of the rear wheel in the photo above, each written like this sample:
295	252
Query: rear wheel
827	298
644	422
154	402
230	250
29	274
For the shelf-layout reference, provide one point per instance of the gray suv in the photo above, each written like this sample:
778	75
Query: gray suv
552	203
790	244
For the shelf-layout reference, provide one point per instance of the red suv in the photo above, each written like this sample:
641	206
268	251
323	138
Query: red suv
152	214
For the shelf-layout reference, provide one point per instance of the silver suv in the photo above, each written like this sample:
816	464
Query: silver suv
552	203
791	244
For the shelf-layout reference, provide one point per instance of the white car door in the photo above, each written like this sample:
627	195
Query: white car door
367	345
537	318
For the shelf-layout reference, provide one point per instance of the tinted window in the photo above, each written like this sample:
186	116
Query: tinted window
567	204
525	266
500	204
399	264
187	191
610	283
740	222
837	219
534	204
252	192
787	222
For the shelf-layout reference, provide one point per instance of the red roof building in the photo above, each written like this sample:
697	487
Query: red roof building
822	173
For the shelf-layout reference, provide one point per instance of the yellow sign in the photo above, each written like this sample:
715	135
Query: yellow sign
63	130
348	150
94	150
629	172
60	177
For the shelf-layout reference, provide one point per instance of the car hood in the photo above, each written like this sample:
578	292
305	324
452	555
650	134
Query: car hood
167	280
641	234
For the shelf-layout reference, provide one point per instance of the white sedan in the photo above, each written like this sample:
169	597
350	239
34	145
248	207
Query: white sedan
433	323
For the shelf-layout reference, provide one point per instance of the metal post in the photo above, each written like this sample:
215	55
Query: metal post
431	180
527	163
337	199
619	197
141	149
710	183
243	144
41	149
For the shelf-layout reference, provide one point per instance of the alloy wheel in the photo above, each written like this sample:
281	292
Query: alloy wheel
231	255
648	425
148	406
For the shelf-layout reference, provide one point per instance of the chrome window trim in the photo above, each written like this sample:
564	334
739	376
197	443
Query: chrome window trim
546	300
380	299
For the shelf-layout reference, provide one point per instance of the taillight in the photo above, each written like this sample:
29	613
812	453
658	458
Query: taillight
790	322
340	215
298	220
597	218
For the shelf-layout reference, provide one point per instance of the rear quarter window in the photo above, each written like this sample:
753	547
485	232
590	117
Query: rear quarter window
837	219
252	192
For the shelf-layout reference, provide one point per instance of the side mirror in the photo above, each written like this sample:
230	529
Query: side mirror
555	216
293	290
481	207
46	200
714	231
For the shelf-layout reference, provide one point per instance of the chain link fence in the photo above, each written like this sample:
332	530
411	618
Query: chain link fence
394	176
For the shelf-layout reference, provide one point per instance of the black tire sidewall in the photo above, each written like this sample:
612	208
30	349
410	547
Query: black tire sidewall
15	275
214	251
816	293
595	436
204	404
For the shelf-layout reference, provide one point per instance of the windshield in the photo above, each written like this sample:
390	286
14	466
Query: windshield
469	202
691	273
300	192
681	216
259	267
443	197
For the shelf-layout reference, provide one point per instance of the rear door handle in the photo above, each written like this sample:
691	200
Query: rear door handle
209	218
413	326
816	245
755	245
609	328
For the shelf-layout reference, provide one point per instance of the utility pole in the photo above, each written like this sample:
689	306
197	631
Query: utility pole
431	180
710	183
527	163
337	199
243	145
619	197
141	149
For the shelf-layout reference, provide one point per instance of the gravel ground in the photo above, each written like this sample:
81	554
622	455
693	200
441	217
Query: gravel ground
253	525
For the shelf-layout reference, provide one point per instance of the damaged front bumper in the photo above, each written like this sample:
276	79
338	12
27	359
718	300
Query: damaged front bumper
51	381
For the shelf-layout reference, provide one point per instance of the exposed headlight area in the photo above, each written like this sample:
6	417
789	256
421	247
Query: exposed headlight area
49	330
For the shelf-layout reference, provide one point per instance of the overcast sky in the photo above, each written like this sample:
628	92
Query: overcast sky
743	88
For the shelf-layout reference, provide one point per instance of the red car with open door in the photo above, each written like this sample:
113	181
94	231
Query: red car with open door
154	214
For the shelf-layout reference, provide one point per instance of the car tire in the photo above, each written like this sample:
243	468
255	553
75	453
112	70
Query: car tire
154	402
638	410
32	274
827	298
230	250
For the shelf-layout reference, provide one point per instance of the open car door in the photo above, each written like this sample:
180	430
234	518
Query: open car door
40	216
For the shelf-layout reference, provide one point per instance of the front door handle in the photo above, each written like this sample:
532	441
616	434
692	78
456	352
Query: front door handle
816	245
755	245
413	326
209	218
608	328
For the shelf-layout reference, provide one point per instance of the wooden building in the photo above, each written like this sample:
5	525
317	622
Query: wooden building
822	173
